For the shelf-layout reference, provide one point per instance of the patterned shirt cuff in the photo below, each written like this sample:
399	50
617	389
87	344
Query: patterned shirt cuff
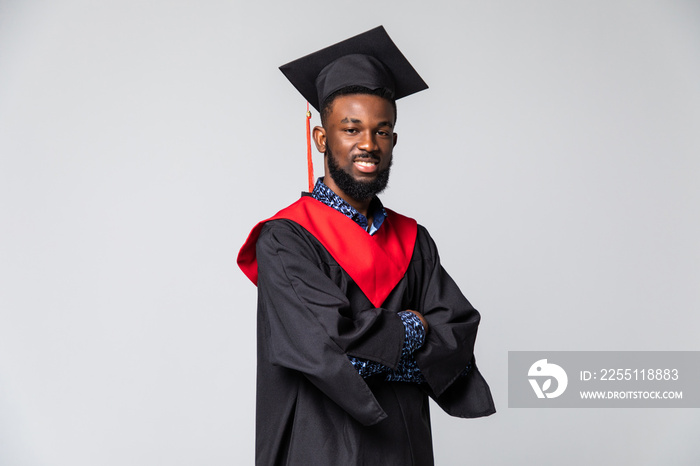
408	370
415	333
367	368
414	337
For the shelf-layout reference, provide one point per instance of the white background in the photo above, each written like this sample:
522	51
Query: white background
555	159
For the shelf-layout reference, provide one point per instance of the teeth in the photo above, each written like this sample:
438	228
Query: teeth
365	164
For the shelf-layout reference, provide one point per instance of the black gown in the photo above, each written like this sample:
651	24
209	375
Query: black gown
313	408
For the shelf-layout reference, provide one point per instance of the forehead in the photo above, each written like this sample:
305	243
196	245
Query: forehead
361	107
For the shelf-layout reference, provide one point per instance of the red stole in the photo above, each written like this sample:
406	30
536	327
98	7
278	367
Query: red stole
376	263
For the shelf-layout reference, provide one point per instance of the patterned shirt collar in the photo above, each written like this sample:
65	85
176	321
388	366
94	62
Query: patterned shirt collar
326	195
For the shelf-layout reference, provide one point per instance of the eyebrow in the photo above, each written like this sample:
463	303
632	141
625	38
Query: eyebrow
356	121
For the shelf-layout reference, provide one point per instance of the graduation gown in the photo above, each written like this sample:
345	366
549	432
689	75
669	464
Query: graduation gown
313	408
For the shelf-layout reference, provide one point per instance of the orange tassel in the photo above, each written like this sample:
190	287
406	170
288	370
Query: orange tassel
309	159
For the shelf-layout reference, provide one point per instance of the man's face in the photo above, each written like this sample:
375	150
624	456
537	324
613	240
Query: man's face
359	140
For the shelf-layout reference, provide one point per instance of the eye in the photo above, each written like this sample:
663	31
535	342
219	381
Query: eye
350	130
384	133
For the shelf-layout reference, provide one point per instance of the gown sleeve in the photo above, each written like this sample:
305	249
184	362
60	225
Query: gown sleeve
310	326
449	344
407	371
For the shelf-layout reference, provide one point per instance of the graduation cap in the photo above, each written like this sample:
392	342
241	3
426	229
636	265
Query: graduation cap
370	59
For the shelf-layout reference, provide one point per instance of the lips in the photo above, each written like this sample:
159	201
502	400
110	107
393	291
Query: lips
366	165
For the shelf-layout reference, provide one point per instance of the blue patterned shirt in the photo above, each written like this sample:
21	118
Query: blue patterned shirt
407	370
326	195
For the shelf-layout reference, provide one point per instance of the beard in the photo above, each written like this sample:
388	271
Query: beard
358	190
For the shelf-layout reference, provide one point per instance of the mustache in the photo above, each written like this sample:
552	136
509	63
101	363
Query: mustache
365	155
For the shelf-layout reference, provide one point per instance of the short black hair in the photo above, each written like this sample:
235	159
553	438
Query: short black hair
349	90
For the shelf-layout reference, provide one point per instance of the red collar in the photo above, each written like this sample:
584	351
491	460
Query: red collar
375	262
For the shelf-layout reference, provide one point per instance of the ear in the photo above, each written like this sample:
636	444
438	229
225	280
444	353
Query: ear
319	136
396	139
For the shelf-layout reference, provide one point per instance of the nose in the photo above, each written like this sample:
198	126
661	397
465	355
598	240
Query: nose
368	142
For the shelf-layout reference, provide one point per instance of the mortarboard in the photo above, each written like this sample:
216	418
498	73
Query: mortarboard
370	59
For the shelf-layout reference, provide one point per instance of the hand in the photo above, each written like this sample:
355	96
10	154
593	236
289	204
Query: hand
422	319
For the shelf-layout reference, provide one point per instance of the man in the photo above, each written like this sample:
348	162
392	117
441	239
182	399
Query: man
358	323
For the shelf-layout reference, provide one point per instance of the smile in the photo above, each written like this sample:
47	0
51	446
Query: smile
366	166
